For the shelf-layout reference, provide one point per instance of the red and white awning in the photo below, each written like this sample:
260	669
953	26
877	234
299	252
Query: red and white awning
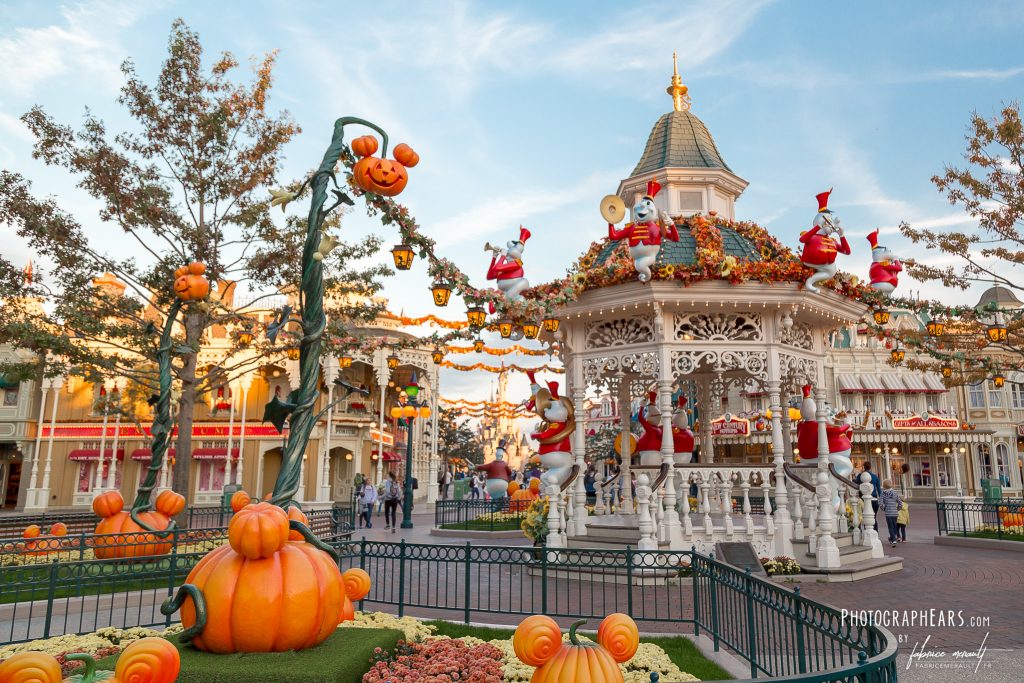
894	383
87	454
935	384
392	457
848	384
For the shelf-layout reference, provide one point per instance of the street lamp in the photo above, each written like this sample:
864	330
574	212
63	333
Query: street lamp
997	331
411	410
393	361
935	327
345	361
505	327
881	316
531	330
442	292
998	380
437	355
947	370
897	355
478	345
551	324
403	255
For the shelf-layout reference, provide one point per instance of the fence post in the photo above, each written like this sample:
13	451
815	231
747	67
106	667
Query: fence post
544	579
51	589
629	581
81	545
696	594
713	583
172	575
999	522
401	578
748	592
801	660
963	518
469	569
362	562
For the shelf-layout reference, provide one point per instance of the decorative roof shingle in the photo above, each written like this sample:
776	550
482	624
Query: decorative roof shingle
679	140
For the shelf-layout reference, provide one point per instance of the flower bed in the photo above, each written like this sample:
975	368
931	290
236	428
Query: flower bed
780	566
13	559
102	643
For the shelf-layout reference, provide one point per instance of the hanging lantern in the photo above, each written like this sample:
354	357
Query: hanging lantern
551	324
403	255
935	327
409	411
442	292
396	412
424	411
478	345
505	327
998	380
997	332
393	362
531	329
947	370
437	355
293	353
897	355
412	389
345	362
245	337
476	316
881	316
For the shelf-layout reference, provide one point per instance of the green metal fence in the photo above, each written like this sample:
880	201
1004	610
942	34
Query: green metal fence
1003	520
477	515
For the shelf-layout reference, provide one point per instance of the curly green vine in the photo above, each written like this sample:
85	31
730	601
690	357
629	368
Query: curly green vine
172	605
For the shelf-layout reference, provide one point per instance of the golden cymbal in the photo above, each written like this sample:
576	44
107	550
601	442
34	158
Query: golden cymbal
613	209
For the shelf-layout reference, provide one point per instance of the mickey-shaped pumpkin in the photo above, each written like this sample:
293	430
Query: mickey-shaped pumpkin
538	642
190	283
387	177
117	534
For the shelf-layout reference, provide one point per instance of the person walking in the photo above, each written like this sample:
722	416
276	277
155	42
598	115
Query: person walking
446	483
369	499
902	520
392	495
474	488
891	503
876	491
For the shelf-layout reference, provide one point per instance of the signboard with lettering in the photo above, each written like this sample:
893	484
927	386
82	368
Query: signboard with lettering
728	425
1020	431
925	422
741	556
201	430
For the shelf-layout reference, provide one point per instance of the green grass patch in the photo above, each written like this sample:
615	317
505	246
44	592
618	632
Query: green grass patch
993	534
342	658
482	525
680	650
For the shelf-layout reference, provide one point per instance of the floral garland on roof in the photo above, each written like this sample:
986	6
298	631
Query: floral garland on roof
501	368
516	348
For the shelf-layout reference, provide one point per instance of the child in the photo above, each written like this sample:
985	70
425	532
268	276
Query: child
902	520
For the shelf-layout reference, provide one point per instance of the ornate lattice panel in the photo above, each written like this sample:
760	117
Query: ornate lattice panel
799	335
719	327
754	363
621	332
595	370
796	369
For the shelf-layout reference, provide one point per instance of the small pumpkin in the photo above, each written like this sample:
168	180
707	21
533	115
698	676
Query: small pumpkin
513	486
30	667
364	146
59	529
31	531
239	499
405	155
537	639
521	500
148	660
170	503
356	583
299	516
107	504
619	635
535	484
190	283
258	531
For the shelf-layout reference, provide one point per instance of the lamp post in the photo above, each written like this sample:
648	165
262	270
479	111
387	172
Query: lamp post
410	410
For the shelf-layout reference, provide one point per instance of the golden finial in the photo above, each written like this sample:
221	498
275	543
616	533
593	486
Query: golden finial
678	91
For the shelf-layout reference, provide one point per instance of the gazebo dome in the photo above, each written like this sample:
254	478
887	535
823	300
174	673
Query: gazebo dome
684	252
679	140
1000	296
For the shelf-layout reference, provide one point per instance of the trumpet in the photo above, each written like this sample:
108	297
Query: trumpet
498	251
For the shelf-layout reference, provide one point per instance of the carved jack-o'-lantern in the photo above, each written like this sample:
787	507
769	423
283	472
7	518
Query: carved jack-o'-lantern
190	283
386	177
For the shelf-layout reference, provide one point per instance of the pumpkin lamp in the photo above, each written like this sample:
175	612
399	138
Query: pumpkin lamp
294	584
190	283
538	642
386	177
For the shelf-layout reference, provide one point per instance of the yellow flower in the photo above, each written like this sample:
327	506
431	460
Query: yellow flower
729	264
281	198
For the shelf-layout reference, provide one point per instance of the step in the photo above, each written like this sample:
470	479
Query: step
607	542
855	571
842	540
847	554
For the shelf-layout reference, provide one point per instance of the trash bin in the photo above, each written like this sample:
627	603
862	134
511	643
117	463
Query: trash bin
991	490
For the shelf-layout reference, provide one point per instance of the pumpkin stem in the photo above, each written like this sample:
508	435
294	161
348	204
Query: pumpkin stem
572	631
161	533
172	605
90	665
309	537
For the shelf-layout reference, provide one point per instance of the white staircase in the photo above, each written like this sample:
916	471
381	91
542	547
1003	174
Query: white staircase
856	561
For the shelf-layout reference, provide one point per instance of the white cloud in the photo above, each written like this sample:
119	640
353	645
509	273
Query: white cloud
977	74
84	43
851	170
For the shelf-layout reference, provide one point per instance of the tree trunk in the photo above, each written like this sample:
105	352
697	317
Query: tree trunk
186	409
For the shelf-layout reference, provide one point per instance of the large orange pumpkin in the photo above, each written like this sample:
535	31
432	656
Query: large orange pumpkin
385	177
521	500
537	641
296	589
30	667
119	536
190	283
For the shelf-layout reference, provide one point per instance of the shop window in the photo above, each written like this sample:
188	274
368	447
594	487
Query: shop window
995	396
606	408
921	471
11	397
211	475
1017	395
983	459
976	395
943	469
691	202
1003	463
914	403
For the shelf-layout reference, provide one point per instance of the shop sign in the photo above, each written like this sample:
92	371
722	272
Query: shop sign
1020	431
925	422
728	425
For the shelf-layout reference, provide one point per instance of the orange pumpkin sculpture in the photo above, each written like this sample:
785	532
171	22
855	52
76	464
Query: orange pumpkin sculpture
521	500
387	177
41	545
190	283
239	499
119	536
296	589
538	642
147	660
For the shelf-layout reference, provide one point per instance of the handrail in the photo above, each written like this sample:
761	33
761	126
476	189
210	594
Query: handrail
571	478
839	477
790	471
662	476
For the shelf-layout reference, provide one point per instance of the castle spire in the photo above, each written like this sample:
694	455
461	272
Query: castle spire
678	91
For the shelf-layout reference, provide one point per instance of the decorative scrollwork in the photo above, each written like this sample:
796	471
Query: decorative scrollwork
621	332
753	363
596	370
719	327
799	335
798	370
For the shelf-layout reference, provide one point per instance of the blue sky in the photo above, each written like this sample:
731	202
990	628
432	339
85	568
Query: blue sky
530	112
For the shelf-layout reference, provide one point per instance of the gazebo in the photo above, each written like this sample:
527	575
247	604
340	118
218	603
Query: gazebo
725	310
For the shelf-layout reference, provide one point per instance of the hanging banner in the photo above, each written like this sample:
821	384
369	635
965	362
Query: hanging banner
925	422
729	425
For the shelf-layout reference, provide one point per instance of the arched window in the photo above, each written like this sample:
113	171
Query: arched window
1003	463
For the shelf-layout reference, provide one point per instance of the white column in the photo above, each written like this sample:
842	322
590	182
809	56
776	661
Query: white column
435	464
57	383
625	411
97	480
555	536
578	524
783	521
323	470
827	550
243	390
956	469
673	532
869	537
33	503
228	465
383	375
112	474
294	382
648	536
